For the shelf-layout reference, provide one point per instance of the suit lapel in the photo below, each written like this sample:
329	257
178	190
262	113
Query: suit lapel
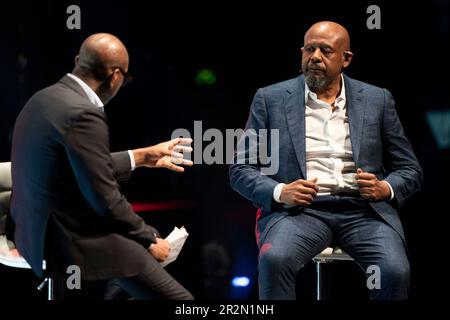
356	107
295	117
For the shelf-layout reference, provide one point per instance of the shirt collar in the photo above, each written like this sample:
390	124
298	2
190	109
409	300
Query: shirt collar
340	100
92	96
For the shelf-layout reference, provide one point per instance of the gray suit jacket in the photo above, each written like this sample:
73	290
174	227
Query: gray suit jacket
66	202
378	142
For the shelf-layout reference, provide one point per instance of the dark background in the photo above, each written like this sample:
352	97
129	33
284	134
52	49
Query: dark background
246	48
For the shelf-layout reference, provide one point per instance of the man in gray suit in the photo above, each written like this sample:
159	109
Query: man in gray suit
66	203
345	166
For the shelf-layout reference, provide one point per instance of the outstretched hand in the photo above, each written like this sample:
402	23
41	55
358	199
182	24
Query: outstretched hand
168	154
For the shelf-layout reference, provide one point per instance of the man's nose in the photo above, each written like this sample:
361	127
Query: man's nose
317	55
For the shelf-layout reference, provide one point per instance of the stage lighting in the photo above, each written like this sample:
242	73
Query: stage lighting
205	77
240	281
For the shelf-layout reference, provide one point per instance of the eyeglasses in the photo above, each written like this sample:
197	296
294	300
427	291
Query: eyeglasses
126	76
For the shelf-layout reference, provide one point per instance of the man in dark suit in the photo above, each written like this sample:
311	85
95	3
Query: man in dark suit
345	165
66	203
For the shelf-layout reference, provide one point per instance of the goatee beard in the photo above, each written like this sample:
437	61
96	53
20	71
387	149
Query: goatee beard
316	83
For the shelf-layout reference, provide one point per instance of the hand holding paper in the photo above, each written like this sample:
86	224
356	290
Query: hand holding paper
160	250
176	241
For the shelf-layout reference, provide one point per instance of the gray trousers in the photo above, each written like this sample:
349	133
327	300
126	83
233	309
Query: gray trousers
347	222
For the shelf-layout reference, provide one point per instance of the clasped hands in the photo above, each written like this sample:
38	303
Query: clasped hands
303	192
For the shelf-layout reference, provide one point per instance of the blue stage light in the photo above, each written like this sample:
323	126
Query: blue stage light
240	281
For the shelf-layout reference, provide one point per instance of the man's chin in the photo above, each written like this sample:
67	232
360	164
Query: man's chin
315	81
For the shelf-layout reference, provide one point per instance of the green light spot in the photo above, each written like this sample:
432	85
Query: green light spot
205	77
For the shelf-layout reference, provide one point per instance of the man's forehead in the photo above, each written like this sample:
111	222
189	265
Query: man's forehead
321	38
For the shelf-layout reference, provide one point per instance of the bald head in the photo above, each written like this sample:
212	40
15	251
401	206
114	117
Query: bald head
331	30
325	54
102	64
102	51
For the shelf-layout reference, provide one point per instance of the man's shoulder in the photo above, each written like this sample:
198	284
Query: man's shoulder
63	97
359	85
283	86
59	106
59	90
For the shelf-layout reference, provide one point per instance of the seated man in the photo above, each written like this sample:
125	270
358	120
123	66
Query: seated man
345	165
66	203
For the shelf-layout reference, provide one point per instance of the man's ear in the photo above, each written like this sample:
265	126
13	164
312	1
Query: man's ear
348	55
113	78
77	58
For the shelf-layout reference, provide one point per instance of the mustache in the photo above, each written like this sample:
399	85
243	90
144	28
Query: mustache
314	68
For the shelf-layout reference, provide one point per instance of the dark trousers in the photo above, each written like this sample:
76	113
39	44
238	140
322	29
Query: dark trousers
347	222
154	283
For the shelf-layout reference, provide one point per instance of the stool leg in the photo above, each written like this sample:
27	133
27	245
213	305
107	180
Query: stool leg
42	284
319	280
51	289
55	288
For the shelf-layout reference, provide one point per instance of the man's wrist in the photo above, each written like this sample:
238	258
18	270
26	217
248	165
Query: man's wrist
277	192
139	157
390	191
132	159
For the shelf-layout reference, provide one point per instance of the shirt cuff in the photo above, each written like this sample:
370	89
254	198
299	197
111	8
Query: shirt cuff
392	190
132	162
277	192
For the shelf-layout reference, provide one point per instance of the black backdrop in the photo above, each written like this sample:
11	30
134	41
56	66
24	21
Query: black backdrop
246	48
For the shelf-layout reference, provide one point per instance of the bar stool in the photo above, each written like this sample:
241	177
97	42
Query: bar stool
326	256
9	256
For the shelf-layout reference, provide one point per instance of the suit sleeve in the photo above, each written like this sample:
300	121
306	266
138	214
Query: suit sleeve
405	175
87	148
245	173
121	165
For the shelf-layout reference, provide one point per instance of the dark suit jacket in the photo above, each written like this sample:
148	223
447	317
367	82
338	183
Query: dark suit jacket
66	203
378	143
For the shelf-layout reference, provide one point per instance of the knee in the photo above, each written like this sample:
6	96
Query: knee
272	260
395	273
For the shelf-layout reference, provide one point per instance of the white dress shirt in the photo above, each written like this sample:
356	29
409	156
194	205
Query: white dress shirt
95	100
329	156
